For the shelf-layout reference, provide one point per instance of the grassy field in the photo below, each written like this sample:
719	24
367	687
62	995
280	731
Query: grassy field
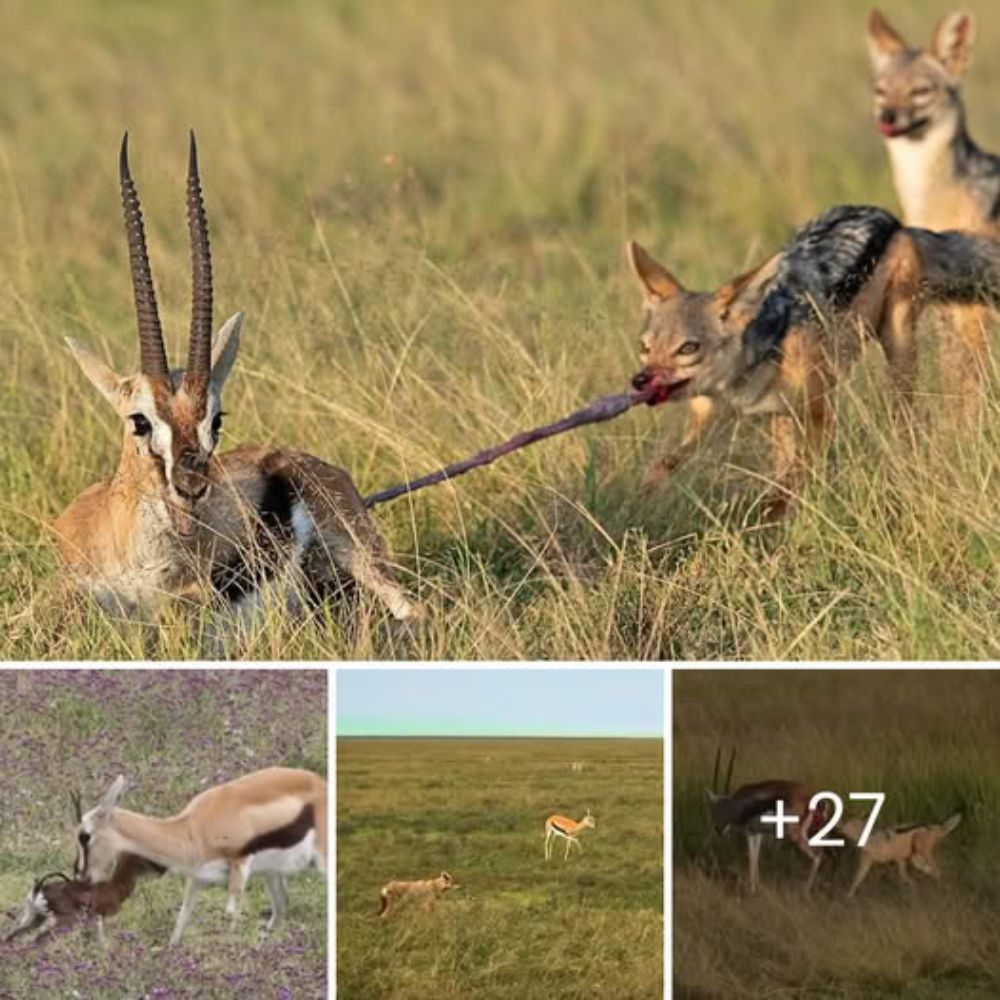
172	734
931	741
592	926
421	210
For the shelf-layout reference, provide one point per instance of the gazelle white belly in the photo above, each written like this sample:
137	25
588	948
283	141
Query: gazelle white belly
285	861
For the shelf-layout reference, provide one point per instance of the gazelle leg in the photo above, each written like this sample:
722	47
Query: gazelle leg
279	898
753	850
569	844
548	844
191	889
101	936
816	861
864	866
239	872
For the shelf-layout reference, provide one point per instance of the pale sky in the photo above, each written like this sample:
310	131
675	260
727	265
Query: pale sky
474	702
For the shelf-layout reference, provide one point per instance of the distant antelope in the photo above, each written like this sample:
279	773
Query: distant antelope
175	514
270	822
743	809
57	902
568	829
912	844
577	766
426	891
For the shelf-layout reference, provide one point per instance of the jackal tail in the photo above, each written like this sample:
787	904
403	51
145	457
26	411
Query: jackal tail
959	266
951	822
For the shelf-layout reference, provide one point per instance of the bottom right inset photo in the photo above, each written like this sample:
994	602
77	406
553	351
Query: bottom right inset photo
835	833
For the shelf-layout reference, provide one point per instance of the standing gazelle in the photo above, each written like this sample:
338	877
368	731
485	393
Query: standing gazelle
270	822
744	808
568	829
175	514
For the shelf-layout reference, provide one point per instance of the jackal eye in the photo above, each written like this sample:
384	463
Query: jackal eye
688	347
140	425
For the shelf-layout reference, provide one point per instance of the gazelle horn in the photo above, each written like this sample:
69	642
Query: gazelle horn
200	345
715	771
729	772
152	353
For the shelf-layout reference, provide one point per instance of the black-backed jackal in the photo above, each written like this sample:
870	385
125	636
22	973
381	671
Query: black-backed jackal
424	893
943	179
771	341
911	844
176	516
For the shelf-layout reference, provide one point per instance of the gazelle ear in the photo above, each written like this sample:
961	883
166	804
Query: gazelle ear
102	377
657	282
712	796
952	41
112	795
883	40
225	346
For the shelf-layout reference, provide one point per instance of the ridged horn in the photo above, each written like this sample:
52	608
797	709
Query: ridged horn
729	771
200	344
152	353
77	800
715	771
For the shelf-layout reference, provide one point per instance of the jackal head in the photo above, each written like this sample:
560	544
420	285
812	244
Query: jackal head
172	419
690	343
916	90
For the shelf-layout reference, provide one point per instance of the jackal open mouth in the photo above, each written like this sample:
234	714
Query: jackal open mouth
658	387
893	131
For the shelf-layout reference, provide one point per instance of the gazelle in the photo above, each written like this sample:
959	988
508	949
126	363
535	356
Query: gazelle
913	845
57	902
175	514
742	810
270	822
568	829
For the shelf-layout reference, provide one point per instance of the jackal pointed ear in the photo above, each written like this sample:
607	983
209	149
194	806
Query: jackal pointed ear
746	290
657	282
112	795
952	41
883	39
104	378
225	346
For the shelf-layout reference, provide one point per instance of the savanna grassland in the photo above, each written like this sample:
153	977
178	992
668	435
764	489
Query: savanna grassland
172	734
930	740
421	210
518	926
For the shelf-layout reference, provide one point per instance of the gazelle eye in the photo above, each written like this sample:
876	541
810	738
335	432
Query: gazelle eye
84	838
217	423
140	425
688	347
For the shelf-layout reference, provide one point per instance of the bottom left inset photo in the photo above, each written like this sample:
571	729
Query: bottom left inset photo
147	808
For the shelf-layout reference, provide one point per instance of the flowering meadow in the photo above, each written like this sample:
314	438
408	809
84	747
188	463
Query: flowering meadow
172	734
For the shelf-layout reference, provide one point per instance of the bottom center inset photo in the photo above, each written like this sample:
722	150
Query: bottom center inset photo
499	833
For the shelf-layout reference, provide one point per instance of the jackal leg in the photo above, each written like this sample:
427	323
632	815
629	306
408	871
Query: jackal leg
864	866
904	875
699	418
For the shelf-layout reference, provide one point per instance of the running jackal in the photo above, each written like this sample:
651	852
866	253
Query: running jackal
425	892
904	845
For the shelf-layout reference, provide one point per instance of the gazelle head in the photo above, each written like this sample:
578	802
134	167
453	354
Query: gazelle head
588	820
718	798
172	419
98	843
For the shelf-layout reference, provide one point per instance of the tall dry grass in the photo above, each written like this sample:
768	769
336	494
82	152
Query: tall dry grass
421	209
